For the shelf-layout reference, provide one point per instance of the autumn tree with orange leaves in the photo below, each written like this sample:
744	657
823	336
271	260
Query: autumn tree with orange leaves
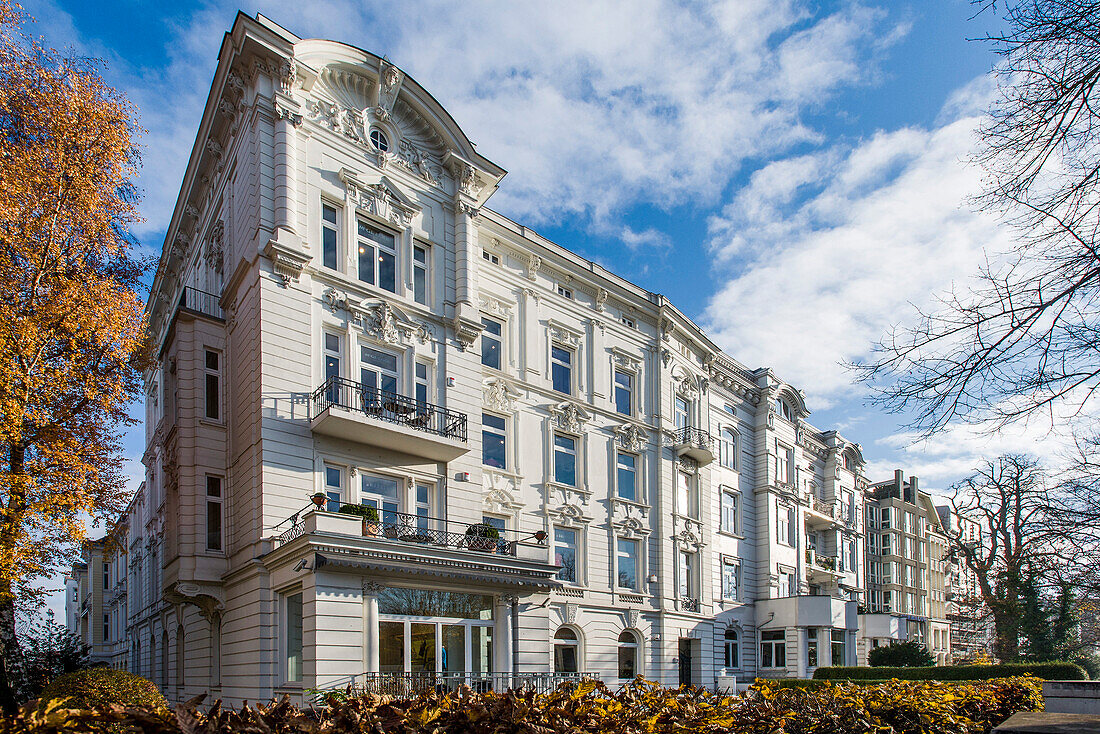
71	325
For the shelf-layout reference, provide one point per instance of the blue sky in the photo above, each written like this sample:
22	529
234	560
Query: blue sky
792	174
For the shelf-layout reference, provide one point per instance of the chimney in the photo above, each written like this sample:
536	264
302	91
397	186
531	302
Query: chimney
899	483
914	486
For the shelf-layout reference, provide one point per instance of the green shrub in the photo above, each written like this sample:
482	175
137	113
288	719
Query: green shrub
370	514
96	687
482	530
1046	671
908	654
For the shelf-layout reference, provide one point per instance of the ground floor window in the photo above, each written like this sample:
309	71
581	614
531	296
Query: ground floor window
838	647
566	651
628	655
293	639
732	649
811	648
773	649
428	631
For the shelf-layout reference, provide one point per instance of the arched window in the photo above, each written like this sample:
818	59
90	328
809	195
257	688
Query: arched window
566	651
728	448
733	649
628	655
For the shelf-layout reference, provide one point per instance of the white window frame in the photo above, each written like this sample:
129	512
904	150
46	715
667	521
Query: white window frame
496	431
378	247
219	502
216	374
729	441
337	229
328	489
732	565
575	452
498	338
638	495
633	377
731	644
724	507
578	559
775	644
571	366
423	270
637	558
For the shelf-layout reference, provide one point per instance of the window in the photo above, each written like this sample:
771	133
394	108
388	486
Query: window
421	387
213	513
565	292
682	413
377	257
490	257
626	476
786	522
687	575
106	626
423	495
627	321
565	460
687	496
213	385
727	448
784	457
783	409
330	236
420	273
838	647
731	579
493	441
908	575
566	651
377	372
773	650
628	655
491	343
811	648
106	575
561	369
332	367
293	638
885	515
381	493
624	392
788	584
379	140
334	487
627	558
565	553
732	649
731	511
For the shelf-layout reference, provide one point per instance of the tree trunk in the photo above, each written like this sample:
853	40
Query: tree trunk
11	653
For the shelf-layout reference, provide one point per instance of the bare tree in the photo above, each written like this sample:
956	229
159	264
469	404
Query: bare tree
1026	336
1010	500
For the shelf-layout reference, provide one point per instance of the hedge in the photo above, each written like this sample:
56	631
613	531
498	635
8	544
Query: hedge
86	689
1046	671
898	707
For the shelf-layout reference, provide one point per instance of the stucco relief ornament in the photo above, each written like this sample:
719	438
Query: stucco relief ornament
350	124
416	160
323	113
288	74
372	587
214	249
534	262
631	437
570	613
335	299
285	113
570	416
379	322
632	618
498	394
389	85
601	299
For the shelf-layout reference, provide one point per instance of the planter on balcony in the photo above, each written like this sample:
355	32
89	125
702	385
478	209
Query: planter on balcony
482	537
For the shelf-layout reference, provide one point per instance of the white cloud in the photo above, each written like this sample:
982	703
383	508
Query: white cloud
833	247
593	107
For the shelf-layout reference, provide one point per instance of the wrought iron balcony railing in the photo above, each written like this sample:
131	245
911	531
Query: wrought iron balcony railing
422	530
404	685
692	436
388	406
201	302
689	604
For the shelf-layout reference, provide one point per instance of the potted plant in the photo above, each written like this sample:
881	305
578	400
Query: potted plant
369	515
482	536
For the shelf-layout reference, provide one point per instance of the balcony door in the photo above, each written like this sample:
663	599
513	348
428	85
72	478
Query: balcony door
377	372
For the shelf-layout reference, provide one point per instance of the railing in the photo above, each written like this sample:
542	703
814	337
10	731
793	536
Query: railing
201	302
422	530
389	407
689	604
692	436
825	507
402	685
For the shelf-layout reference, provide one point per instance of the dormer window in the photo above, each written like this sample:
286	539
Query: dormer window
783	409
565	292
379	140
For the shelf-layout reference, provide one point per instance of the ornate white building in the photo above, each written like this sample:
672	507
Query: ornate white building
342	320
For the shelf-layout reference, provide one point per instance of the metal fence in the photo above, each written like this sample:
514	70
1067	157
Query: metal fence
201	302
401	685
388	406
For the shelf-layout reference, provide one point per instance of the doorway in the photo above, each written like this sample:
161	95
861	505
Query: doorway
686	662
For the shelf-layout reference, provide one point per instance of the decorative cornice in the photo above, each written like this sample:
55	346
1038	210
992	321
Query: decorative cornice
287	263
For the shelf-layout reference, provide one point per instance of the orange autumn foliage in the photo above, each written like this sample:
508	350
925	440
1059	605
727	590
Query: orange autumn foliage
71	325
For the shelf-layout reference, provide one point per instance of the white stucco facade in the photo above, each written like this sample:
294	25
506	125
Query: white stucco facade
341	315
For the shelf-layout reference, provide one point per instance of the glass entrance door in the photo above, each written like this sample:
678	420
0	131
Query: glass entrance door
455	651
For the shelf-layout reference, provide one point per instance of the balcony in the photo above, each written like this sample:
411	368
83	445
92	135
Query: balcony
808	611
694	443
194	301
822	568
822	513
349	410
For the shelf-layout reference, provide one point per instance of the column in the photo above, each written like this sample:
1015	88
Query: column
371	590
803	646
503	643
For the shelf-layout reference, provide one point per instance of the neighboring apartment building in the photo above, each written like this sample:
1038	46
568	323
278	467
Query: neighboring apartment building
907	566
95	600
971	621
567	475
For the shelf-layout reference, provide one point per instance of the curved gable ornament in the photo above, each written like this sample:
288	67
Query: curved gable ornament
497	394
631	437
570	416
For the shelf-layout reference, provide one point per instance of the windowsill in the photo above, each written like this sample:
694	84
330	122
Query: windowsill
328	275
211	422
728	534
503	472
631	503
569	487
